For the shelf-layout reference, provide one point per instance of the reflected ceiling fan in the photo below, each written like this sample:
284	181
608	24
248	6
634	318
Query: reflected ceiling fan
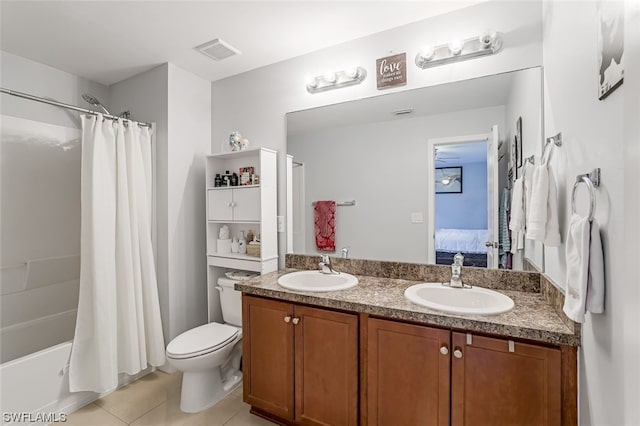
448	176
440	158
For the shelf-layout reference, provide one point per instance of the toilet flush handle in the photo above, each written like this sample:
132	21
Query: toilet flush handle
220	289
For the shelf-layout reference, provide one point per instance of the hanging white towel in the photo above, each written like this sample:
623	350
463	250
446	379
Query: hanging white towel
552	227
517	222
542	219
585	269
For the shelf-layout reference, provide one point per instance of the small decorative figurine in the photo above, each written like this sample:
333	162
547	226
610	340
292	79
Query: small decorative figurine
237	142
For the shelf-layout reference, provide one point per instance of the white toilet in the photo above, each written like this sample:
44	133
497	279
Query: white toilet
209	355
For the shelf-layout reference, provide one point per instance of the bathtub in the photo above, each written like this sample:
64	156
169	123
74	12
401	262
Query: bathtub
38	383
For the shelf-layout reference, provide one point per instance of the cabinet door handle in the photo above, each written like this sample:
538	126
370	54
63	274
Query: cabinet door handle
457	353
444	350
296	321
287	319
229	204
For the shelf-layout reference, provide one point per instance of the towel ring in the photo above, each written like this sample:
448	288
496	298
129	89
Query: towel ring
591	180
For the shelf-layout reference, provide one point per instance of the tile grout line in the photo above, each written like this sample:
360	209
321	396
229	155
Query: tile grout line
108	412
147	412
232	417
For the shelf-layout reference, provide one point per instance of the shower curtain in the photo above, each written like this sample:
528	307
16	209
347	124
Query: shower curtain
118	328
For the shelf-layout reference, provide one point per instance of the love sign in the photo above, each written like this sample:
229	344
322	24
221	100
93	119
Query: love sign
392	71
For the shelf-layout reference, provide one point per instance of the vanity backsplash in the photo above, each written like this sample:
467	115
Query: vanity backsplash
497	279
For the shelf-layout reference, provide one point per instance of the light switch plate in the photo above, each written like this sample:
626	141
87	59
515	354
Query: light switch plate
280	223
416	217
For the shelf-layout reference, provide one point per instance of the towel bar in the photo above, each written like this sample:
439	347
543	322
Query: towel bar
341	203
552	141
592	180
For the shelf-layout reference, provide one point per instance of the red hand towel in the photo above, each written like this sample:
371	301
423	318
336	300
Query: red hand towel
325	225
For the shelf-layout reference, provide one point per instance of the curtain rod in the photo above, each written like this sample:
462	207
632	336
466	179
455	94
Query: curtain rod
63	105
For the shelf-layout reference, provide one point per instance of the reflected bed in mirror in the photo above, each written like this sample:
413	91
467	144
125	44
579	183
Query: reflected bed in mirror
389	152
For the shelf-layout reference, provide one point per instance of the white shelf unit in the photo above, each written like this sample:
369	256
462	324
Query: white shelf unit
241	208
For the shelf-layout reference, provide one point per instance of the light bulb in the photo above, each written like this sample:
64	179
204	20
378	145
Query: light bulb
330	77
487	38
427	53
455	46
312	82
352	72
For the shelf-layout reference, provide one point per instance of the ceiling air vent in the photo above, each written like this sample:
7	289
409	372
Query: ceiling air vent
403	111
217	49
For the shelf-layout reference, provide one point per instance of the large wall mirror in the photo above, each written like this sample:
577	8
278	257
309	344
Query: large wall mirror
418	175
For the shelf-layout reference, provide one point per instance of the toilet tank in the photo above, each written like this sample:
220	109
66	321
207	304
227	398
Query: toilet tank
230	302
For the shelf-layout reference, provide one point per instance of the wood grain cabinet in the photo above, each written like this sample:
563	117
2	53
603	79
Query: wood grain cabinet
310	366
418	375
498	382
407	374
300	363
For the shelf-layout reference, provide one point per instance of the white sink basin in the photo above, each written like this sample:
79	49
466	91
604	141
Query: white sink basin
317	281
474	300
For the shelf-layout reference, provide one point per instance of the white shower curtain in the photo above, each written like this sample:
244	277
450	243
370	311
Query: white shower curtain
118	328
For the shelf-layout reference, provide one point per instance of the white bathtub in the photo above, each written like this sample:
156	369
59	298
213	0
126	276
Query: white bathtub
39	383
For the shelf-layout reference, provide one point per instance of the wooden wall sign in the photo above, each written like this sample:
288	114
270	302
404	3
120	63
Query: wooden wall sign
392	71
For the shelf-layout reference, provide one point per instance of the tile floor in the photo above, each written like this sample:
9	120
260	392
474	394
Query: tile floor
154	400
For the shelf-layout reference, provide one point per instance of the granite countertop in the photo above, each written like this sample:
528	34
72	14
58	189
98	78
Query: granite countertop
532	317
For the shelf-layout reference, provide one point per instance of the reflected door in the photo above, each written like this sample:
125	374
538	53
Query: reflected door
492	199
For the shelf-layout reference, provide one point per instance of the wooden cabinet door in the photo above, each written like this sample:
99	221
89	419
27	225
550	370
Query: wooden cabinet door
407	374
492	385
246	204
268	355
220	204
326	367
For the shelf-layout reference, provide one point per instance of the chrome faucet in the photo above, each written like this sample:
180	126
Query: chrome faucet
325	265
456	270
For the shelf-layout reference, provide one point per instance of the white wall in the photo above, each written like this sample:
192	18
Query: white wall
379	226
631	298
24	75
255	103
189	139
180	104
525	100
453	210
594	136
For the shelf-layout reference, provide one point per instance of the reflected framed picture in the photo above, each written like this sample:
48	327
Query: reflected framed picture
610	46
448	180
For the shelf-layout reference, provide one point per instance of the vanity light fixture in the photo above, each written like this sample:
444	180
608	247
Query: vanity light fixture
487	43
336	80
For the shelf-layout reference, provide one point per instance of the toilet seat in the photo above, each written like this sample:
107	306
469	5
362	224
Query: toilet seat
201	340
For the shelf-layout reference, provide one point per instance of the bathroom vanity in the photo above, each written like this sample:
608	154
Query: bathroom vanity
368	356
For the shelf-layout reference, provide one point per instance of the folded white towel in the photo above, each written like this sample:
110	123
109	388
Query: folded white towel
537	209
585	269
517	222
542	219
